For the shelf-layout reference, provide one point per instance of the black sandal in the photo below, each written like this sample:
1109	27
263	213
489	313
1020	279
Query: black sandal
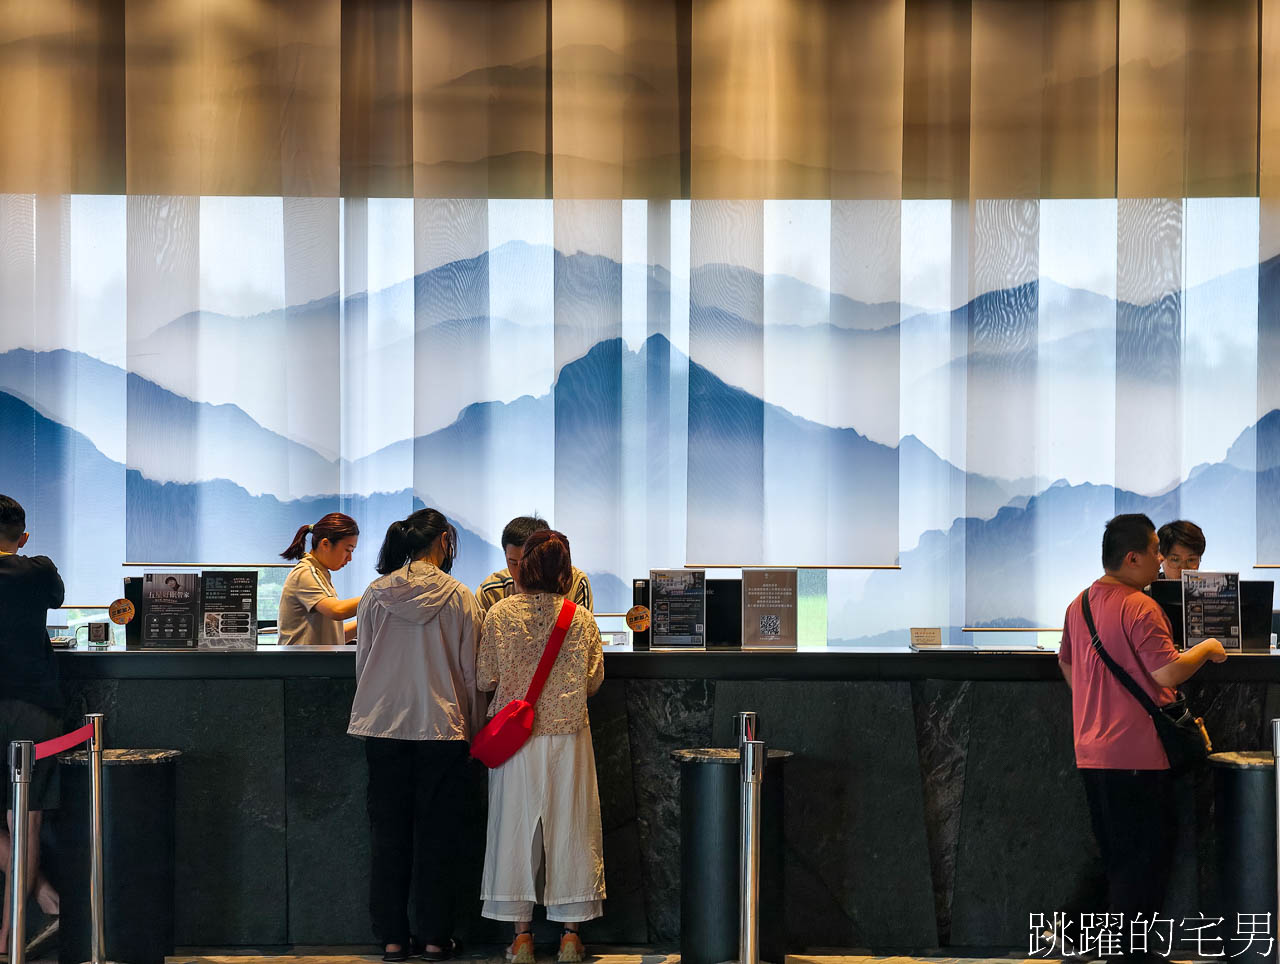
452	948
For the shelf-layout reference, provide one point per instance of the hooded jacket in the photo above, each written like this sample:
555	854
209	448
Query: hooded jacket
416	657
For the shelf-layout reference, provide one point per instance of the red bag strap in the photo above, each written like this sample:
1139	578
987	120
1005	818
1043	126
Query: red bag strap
552	650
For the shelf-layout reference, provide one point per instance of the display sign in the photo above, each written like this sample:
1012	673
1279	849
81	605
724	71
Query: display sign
928	637
639	603
229	610
769	608
1211	608
170	607
678	608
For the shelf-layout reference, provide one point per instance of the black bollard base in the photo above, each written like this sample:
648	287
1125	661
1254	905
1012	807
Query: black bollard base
710	812
138	789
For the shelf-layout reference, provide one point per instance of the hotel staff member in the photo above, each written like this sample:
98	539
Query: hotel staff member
1181	546
311	614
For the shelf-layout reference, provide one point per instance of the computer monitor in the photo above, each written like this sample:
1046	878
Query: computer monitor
724	614
1255	614
1168	593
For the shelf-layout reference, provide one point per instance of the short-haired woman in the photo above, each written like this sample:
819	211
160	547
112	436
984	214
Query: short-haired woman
544	805
1181	544
311	614
416	707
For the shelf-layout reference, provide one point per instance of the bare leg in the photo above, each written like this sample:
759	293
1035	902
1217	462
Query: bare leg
521	927
35	882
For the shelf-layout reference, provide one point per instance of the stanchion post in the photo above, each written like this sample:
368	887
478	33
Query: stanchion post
1275	753
97	935
752	756
22	758
745	724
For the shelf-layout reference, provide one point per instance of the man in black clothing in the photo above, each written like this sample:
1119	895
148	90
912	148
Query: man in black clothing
30	694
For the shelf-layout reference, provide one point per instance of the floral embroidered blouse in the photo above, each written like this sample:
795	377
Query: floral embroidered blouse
516	630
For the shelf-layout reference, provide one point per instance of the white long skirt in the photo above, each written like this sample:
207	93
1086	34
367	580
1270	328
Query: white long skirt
544	842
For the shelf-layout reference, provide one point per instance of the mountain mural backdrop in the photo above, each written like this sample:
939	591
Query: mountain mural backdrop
719	415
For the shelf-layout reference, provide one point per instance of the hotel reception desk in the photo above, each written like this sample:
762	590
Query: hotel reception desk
932	801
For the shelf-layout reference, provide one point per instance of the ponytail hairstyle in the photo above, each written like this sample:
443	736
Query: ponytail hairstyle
334	527
408	539
545	565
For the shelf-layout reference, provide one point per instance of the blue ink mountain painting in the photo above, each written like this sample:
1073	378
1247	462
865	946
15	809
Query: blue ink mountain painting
791	383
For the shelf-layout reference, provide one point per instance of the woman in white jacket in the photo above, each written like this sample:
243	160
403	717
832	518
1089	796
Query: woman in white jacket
416	707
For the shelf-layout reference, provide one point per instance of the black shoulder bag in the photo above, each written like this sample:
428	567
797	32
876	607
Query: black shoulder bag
1183	736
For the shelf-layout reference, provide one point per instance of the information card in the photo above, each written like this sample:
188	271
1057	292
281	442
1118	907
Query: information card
229	610
170	607
678	608
1211	608
769	608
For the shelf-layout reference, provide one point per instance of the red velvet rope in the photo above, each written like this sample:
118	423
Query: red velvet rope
58	745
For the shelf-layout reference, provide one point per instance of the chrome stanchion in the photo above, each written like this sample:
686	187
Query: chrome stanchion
22	758
1275	753
753	757
746	726
98	926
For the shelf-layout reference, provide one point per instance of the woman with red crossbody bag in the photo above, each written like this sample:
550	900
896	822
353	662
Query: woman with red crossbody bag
544	805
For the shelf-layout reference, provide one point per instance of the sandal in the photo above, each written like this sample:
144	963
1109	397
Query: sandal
521	949
571	949
452	948
45	934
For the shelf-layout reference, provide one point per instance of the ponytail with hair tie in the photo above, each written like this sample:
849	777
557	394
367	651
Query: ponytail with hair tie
334	527
409	538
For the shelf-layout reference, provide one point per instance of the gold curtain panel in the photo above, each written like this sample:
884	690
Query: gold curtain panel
600	99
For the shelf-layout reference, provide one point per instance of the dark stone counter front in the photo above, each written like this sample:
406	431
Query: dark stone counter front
935	809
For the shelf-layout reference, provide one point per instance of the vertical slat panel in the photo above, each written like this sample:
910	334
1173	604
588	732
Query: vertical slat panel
1076	395
62	97
866	51
480	98
726	382
864	392
798	337
522	373
1006	98
377	98
1222	98
452	334
163	284
760	114
936	100
1000	413
656	136
379	382
1268	389
589	95
310	94
1151	119
1078	146
1148	348
1220	349
588	386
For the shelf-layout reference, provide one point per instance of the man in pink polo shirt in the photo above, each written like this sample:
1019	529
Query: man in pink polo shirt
1120	757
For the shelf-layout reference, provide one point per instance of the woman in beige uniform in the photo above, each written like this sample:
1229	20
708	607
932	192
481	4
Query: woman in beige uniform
311	614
